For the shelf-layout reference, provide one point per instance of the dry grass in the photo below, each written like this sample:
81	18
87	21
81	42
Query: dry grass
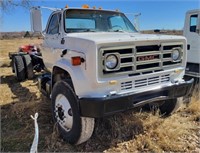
12	45
176	134
132	131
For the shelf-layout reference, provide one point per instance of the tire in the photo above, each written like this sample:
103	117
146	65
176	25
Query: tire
170	106
28	66
72	127
196	89
19	68
12	63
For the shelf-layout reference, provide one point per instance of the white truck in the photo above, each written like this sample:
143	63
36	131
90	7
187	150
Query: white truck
192	33
99	65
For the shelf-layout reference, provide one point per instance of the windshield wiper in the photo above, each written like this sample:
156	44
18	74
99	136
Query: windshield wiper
89	30
118	30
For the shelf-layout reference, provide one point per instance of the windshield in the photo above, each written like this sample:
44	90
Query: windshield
96	21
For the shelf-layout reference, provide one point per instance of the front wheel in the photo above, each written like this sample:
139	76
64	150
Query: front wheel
170	106
72	127
167	107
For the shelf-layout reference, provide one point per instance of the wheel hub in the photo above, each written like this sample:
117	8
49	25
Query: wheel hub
63	112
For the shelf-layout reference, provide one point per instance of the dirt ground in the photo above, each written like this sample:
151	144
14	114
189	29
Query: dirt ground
132	131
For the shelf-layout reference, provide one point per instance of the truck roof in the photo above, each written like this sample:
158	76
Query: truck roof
193	11
81	8
92	9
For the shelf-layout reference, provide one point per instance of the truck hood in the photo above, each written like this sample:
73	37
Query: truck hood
109	37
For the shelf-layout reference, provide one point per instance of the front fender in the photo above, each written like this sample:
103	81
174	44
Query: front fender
77	74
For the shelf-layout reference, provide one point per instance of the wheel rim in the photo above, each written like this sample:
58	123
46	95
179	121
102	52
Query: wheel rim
63	112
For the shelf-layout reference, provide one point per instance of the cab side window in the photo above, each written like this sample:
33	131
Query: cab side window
54	23
193	22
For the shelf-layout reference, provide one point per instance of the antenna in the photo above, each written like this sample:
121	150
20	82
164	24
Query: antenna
135	20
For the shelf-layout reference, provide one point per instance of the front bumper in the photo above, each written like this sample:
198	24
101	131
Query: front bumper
193	70
192	74
100	107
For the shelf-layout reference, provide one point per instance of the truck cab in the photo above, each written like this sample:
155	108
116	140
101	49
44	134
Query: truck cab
99	65
192	32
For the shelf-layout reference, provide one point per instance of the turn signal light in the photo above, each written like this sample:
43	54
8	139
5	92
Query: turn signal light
178	71
113	82
76	60
85	6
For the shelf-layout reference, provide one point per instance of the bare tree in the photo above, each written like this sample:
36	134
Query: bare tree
6	5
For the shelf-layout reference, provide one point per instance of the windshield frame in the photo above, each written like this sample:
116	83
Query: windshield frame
126	20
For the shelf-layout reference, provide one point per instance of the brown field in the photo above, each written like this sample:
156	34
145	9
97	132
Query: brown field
132	131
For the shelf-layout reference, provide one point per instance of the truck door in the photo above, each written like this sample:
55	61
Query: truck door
52	41
191	32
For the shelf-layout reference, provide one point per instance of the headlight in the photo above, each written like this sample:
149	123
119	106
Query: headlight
111	61
175	54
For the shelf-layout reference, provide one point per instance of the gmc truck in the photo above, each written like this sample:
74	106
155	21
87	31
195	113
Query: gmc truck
98	65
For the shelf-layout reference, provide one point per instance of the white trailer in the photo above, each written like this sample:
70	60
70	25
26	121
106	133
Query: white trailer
192	32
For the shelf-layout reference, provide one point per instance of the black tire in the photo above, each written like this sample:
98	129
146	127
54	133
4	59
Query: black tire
19	68
170	106
28	66
12	63
81	128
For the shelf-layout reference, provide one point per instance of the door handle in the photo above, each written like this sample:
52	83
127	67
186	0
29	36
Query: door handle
188	46
62	41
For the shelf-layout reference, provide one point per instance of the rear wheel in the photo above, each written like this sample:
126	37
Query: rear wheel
28	65
12	63
72	127
19	68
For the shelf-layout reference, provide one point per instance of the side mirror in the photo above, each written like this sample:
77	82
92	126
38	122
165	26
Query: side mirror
198	31
36	19
198	24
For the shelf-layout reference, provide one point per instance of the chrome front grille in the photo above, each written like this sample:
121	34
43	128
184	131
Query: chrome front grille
145	82
126	85
143	59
